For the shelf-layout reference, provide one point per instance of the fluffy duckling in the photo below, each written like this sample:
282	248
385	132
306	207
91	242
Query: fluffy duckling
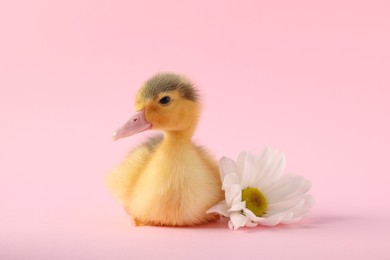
167	181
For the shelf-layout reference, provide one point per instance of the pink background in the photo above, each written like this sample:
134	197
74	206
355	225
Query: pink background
308	77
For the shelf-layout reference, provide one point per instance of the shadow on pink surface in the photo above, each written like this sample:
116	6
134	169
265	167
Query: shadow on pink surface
313	221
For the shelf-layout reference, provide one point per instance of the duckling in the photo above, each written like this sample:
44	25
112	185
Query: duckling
168	180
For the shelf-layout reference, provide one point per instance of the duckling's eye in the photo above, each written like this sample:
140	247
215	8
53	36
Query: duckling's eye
165	100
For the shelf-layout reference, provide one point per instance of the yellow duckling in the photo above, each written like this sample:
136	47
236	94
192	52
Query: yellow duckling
167	181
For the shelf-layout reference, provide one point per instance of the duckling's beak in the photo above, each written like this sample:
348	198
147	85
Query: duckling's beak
136	124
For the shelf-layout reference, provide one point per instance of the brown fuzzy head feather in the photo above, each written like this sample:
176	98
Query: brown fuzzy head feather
165	82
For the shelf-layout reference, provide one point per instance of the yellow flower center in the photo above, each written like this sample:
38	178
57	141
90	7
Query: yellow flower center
255	201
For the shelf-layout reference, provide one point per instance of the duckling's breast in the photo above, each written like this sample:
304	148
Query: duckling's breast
176	188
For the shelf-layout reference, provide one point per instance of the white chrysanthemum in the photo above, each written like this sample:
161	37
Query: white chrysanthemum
256	191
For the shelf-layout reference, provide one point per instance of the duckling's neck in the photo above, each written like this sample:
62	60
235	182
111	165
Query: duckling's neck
178	136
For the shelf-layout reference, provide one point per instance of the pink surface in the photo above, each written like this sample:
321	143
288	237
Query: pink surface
308	77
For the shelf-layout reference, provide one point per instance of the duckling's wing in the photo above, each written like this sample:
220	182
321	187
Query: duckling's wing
208	160
121	179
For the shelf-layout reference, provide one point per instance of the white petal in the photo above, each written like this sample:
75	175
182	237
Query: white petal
281	206
230	179
264	154
271	221
221	208
274	185
277	165
266	172
241	162
304	188
309	201
258	168
238	206
304	209
227	166
271	164
261	162
286	187
290	221
294	214
248	176
251	224
251	215
233	194
230	223
238	220
301	189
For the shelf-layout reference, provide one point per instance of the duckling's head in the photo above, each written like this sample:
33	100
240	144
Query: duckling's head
167	102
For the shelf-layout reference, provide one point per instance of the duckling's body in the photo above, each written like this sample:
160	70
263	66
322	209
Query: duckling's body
168	180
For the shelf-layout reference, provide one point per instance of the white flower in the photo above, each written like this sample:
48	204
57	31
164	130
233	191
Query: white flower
256	191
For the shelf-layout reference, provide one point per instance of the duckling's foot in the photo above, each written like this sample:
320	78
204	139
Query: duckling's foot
138	222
